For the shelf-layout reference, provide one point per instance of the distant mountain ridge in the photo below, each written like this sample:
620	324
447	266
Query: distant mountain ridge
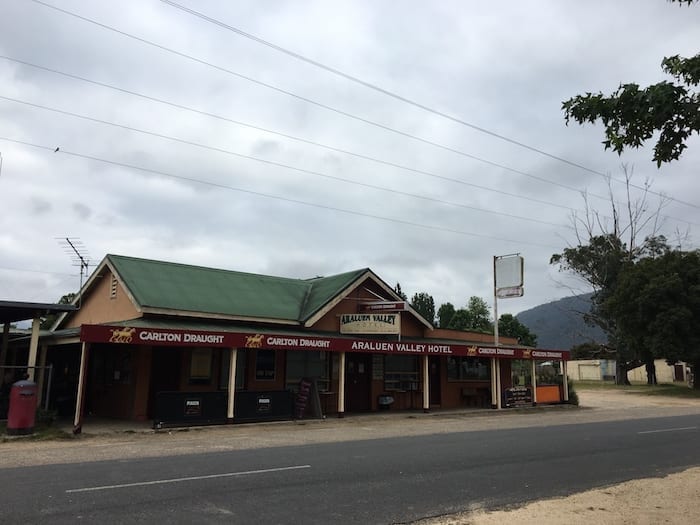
560	325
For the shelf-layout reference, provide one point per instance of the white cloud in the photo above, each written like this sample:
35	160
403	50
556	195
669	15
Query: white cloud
502	67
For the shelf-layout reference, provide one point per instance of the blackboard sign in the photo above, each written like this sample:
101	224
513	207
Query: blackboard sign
302	399
517	396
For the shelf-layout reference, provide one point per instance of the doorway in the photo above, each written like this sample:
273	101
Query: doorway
165	373
358	377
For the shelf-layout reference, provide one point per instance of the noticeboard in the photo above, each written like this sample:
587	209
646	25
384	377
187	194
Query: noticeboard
517	396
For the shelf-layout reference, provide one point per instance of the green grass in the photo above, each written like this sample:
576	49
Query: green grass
670	390
41	433
596	385
666	389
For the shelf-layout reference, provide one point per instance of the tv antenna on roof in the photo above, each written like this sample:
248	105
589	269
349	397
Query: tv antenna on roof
78	253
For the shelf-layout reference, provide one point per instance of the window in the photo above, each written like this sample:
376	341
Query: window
113	288
312	365
265	365
468	368
548	373
401	372
521	372
200	366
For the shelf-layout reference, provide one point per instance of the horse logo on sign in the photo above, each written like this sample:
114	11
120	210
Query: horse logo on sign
254	341
122	335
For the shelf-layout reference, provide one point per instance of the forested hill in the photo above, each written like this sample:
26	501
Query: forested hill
559	324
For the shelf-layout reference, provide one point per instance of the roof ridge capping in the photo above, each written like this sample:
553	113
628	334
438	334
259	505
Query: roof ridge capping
115	257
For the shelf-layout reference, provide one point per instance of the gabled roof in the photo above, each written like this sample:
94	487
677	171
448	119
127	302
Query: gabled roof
180	289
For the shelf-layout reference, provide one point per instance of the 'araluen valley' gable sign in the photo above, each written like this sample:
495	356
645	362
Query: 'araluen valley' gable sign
370	323
195	338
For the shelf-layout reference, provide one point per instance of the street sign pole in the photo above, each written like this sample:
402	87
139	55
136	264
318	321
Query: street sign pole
507	282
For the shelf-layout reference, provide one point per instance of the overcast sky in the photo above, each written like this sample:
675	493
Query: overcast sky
213	149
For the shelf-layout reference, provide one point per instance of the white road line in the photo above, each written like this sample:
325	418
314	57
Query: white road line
667	430
192	478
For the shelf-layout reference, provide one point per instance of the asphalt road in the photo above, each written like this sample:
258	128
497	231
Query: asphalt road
394	480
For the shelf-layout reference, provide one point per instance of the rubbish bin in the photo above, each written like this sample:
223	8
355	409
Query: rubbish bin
22	411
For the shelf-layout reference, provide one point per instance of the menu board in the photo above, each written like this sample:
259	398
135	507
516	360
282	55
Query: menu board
517	396
302	399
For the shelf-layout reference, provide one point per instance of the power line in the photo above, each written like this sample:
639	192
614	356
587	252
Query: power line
374	87
317	173
275	197
9	269
277	164
286	135
358	118
319	104
392	94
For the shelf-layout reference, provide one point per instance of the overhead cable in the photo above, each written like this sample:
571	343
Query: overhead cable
314	102
275	197
290	137
276	164
387	92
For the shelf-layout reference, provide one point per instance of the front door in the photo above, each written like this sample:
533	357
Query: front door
434	378
165	373
358	378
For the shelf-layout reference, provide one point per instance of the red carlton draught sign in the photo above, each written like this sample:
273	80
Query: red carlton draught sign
194	338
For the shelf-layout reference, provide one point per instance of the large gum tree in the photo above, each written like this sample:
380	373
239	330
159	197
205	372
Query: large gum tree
605	245
656	304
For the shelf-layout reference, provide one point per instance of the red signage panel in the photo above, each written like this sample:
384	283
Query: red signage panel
384	306
194	338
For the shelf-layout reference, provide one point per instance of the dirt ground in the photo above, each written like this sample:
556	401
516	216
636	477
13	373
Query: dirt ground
673	499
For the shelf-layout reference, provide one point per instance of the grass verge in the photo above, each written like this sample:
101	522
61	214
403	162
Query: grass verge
41	433
666	389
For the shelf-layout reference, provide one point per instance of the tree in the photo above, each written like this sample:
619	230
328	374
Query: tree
591	351
479	314
601	263
510	326
49	320
445	314
474	317
424	304
603	249
399	292
632	116
657	307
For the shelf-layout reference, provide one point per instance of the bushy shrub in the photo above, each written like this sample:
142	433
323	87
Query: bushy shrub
573	396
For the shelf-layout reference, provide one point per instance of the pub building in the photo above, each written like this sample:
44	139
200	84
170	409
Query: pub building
181	345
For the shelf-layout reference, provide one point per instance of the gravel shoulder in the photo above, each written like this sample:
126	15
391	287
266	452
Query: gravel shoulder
672	499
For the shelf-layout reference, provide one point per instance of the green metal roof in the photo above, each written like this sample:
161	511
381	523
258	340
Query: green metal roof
185	288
